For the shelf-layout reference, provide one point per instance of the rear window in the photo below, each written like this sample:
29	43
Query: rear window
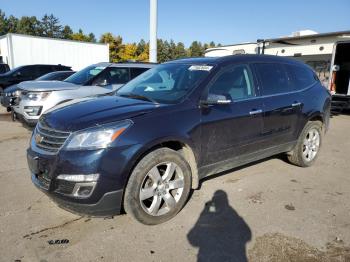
274	78
300	77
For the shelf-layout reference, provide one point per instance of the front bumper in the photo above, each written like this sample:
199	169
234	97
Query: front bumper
113	166
21	118
108	205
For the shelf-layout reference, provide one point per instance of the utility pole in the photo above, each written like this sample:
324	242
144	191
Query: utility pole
153	31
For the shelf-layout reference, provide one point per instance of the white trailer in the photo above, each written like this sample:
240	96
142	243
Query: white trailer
327	53
17	50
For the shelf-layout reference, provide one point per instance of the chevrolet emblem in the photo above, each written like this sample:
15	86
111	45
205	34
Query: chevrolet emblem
38	138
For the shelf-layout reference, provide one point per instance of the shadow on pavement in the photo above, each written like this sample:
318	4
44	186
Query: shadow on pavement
220	233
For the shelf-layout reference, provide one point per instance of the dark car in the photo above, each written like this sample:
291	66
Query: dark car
13	92
4	68
26	73
145	148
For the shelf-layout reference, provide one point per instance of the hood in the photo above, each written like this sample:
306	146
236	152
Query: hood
88	112
12	88
40	86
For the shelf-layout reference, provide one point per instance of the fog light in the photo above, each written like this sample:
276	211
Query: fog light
84	191
33	110
79	178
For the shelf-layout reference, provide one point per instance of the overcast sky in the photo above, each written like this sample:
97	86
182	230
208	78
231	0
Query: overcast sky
224	21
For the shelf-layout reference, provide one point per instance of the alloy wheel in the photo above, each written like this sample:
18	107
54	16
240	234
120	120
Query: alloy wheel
311	144
161	188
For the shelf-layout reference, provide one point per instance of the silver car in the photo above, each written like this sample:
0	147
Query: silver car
98	79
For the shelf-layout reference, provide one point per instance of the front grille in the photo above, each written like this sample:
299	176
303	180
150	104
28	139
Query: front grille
49	139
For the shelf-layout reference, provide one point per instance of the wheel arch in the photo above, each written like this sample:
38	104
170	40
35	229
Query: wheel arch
183	147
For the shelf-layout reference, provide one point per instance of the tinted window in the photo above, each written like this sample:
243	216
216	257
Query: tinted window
28	71
273	78
137	71
43	70
234	83
112	76
300	77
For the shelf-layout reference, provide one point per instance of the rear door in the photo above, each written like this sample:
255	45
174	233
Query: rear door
282	105
230	130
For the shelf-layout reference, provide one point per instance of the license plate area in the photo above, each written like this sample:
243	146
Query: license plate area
37	167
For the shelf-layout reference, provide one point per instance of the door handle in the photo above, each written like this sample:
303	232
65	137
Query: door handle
255	112
296	104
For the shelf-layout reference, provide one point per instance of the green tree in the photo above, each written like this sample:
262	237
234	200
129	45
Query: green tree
141	46
92	38
11	24
3	23
28	25
195	49
180	50
115	46
66	32
50	26
80	36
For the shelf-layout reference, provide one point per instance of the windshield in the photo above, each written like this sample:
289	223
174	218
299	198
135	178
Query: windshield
49	76
84	75
168	83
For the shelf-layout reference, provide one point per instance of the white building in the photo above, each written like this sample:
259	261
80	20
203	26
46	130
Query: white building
17	50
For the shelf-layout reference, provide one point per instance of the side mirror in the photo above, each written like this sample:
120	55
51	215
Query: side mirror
103	83
217	100
17	74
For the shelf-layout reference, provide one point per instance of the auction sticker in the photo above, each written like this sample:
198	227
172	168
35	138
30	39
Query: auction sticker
200	68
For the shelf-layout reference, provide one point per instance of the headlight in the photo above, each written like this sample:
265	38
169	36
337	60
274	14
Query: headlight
97	137
36	96
16	93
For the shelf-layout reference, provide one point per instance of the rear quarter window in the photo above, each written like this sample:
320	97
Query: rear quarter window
273	78
300	77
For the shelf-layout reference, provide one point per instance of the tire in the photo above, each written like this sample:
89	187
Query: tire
305	153
148	189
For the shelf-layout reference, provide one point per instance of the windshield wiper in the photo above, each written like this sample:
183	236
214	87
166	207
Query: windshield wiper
137	96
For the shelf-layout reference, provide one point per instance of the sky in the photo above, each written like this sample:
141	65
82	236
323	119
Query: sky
221	21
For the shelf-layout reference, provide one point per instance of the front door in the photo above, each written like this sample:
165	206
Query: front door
233	129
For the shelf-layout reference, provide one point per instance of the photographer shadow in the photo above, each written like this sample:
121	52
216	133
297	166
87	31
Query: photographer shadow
220	233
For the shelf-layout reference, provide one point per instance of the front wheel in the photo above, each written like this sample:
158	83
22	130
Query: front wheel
158	187
309	143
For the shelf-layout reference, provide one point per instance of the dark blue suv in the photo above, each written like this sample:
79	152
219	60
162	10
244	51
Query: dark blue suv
145	148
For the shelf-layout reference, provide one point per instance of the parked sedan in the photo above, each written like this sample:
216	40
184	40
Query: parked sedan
98	79
13	92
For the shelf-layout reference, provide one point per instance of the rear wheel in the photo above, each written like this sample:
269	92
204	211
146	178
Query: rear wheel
158	187
309	143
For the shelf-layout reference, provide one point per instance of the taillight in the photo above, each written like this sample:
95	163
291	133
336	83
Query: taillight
332	86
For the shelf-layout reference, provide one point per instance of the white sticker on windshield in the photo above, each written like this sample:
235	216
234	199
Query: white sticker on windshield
200	68
100	67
